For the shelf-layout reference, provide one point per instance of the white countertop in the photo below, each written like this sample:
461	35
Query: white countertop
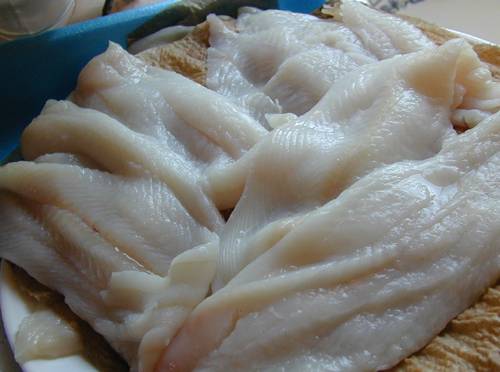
479	18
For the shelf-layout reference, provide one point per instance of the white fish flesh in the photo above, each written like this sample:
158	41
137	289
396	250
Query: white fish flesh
69	158
279	62
164	104
261	57
44	335
108	203
151	109
64	127
382	113
381	33
126	251
365	280
276	64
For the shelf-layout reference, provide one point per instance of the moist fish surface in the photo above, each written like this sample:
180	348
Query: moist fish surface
278	62
365	280
382	113
126	251
176	128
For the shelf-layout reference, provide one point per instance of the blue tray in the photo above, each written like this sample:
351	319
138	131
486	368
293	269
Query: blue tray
35	69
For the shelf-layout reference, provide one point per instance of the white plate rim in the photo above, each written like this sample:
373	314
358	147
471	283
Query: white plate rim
14	307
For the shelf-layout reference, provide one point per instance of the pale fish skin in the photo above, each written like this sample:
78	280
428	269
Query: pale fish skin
382	113
274	74
365	280
360	274
44	334
280	62
130	259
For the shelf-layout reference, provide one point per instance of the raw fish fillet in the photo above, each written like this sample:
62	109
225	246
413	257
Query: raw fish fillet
64	127
129	258
43	334
278	62
381	33
115	196
261	58
195	130
165	105
382	113
139	215
69	158
366	279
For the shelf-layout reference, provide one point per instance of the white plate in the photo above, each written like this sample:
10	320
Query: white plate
8	295
15	306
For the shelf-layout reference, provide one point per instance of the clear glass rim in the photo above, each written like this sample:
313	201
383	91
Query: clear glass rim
60	21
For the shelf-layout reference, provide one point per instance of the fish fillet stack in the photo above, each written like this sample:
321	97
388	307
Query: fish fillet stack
359	158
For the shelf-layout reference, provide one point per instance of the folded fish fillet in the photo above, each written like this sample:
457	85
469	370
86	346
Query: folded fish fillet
365	280
151	100
151	112
63	127
277	64
382	34
382	113
262	57
130	259
115	196
275	61
115	193
109	204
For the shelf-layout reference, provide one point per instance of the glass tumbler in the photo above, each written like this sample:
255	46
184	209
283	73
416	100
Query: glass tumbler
21	18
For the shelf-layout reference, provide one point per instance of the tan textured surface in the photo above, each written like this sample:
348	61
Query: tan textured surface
186	56
471	342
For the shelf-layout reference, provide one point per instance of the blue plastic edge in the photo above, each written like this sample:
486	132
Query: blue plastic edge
35	69
45	66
